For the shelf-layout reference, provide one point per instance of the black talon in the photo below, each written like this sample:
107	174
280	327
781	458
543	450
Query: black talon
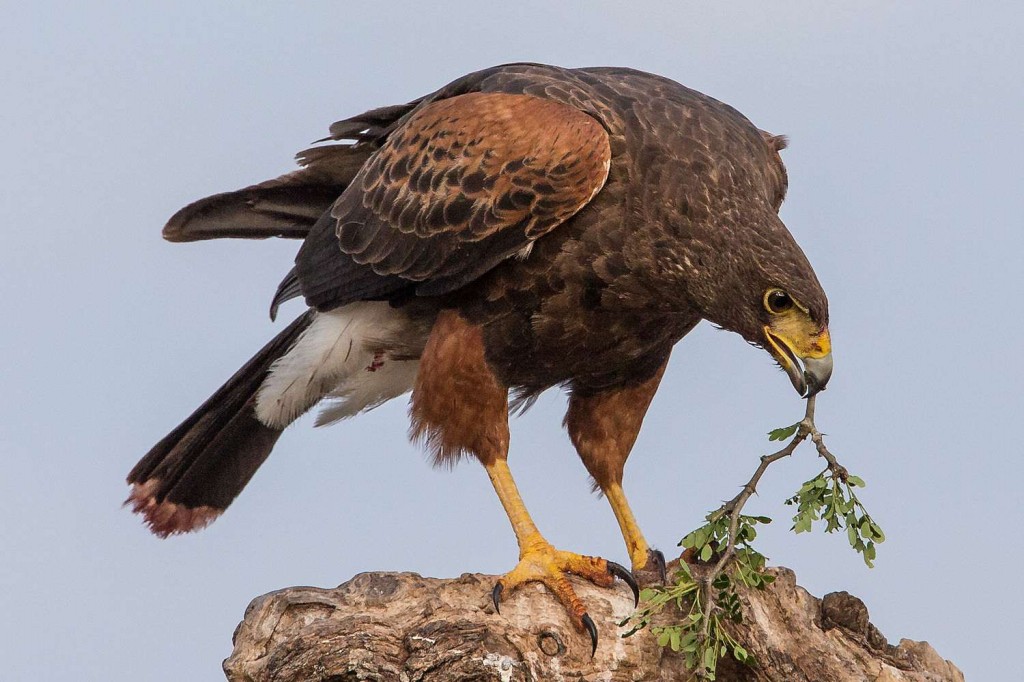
659	561
496	596
588	623
620	571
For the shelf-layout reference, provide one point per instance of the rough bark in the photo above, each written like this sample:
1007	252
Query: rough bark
403	627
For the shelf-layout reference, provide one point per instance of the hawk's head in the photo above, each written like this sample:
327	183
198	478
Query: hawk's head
763	287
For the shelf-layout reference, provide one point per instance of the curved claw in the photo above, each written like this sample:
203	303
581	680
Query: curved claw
588	623
659	563
620	571
496	596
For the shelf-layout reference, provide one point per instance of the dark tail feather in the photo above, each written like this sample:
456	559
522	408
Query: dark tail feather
198	469
290	205
287	206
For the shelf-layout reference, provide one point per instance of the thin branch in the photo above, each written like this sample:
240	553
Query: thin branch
837	469
734	507
724	544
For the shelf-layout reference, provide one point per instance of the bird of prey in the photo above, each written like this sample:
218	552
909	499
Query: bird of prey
522	228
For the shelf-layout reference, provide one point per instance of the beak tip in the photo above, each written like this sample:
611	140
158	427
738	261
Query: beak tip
809	372
799	383
817	372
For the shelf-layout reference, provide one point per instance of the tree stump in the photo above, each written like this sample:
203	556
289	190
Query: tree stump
406	628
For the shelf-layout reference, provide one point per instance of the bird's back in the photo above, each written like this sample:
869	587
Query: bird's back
598	300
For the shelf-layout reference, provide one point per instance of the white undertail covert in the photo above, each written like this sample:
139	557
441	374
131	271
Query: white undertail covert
347	356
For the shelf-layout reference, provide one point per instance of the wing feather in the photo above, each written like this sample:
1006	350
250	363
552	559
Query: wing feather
287	206
460	185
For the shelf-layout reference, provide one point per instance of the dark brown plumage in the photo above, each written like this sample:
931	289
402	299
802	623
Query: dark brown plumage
523	227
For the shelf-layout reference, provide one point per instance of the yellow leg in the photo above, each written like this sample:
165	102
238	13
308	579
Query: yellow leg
636	545
603	426
453	365
540	562
527	535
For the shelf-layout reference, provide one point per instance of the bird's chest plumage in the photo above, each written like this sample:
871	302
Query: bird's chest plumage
586	307
587	350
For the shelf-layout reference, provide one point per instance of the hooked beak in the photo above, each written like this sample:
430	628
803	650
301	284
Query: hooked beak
806	359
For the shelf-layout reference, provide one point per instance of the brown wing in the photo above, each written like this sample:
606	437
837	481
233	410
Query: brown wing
463	184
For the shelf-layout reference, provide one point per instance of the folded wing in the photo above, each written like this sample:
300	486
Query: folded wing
461	185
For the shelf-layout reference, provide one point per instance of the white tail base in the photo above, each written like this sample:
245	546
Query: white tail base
344	355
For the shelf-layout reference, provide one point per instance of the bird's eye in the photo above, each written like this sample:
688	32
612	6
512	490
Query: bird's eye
777	301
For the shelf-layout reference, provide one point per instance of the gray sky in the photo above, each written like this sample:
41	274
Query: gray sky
905	157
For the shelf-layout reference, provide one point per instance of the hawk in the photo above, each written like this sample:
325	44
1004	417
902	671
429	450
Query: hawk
522	228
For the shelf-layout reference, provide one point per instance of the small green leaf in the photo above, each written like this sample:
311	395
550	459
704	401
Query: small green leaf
710	659
705	554
783	432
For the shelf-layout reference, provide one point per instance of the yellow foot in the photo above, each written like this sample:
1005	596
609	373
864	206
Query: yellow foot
544	564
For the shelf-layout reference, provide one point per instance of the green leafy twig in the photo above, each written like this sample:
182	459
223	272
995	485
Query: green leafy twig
723	552
701	640
829	497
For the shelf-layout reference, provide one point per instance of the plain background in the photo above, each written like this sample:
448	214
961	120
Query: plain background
905	168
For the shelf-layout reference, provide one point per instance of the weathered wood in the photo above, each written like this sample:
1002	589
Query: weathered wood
406	628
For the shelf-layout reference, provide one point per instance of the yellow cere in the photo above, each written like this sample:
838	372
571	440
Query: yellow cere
800	334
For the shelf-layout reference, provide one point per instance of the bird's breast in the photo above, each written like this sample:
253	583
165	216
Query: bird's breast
578	328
